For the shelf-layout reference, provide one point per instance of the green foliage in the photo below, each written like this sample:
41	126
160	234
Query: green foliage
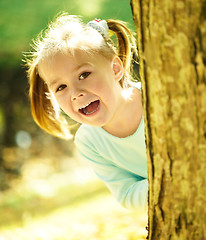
22	20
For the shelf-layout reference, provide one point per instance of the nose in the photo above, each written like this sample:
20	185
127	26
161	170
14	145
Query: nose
75	98
75	94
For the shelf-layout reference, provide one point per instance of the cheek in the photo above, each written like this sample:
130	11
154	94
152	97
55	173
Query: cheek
64	103
66	106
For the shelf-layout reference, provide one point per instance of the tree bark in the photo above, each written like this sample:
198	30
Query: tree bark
171	40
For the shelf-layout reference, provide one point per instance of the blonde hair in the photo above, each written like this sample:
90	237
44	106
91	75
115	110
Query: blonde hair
67	34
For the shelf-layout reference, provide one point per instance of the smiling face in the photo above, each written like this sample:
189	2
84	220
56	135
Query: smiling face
86	87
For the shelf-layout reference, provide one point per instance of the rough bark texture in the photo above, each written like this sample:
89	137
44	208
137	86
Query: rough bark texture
171	39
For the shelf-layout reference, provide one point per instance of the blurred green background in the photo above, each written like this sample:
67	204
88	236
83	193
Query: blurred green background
46	192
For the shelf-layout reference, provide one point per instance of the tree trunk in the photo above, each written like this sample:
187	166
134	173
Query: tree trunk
171	39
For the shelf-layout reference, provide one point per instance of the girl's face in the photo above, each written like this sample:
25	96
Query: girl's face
86	88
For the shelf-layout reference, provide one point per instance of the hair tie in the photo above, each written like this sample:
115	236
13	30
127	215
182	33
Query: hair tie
101	26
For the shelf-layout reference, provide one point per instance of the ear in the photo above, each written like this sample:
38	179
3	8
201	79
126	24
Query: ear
117	67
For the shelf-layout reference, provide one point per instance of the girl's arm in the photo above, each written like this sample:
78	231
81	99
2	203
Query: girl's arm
129	189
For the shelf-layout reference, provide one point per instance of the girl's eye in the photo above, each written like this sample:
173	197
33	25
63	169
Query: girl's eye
84	75
61	87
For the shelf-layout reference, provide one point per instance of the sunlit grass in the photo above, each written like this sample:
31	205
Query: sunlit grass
43	187
97	218
71	204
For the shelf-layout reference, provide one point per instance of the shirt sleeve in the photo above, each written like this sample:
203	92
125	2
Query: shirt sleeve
129	189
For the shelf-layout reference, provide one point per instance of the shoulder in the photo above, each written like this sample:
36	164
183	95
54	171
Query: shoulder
85	130
94	138
85	135
82	132
87	143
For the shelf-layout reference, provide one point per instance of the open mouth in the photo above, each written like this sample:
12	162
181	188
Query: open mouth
90	108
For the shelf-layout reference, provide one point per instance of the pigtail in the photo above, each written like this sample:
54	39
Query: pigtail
126	44
42	109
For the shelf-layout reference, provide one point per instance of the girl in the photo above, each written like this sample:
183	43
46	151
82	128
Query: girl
77	70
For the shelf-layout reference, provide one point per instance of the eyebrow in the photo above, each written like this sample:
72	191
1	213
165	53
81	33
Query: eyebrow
53	82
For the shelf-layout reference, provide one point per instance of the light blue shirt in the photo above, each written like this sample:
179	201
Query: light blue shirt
120	162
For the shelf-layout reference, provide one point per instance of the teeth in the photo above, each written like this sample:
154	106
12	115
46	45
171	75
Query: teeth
91	112
85	106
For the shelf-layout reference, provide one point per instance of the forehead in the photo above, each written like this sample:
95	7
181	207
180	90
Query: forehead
77	57
61	63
